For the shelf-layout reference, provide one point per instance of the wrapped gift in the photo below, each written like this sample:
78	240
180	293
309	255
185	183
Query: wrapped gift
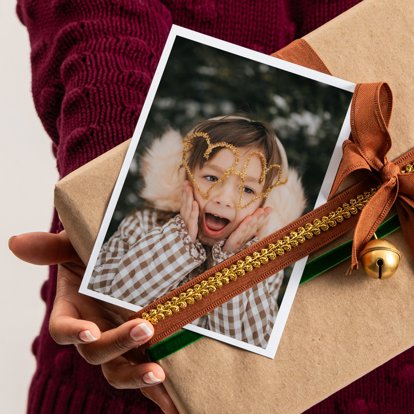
339	327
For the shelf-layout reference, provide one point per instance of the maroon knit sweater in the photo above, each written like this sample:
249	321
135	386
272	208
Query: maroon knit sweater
92	64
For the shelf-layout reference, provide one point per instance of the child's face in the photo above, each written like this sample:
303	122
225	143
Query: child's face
219	215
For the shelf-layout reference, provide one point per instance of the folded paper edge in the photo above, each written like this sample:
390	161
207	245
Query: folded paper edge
68	209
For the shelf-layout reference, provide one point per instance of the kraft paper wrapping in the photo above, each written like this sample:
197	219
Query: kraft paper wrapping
81	198
339	328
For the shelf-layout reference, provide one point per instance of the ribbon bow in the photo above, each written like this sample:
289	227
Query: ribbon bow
366	150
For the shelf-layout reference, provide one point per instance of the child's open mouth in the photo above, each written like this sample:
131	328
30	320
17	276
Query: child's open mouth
214	224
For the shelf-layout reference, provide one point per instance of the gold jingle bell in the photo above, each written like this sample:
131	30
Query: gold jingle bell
380	259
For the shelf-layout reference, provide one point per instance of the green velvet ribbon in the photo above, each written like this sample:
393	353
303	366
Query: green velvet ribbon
314	268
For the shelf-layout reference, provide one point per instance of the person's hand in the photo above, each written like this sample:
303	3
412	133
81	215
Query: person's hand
247	229
189	210
91	325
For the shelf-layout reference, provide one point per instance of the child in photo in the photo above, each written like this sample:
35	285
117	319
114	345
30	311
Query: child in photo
222	188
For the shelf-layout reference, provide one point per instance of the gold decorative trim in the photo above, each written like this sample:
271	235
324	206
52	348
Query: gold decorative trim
257	259
408	169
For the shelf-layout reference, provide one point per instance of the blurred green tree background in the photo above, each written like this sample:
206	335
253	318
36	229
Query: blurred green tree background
201	82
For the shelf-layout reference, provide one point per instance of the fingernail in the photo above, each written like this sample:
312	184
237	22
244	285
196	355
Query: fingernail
86	336
141	332
150	378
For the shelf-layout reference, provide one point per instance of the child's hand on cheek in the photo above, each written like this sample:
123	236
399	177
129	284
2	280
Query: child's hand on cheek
189	210
246	230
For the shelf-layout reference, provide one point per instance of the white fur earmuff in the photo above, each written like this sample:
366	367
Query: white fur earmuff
163	183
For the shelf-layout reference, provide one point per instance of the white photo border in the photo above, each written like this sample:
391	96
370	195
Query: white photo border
298	268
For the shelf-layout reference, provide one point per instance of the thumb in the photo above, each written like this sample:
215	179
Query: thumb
43	248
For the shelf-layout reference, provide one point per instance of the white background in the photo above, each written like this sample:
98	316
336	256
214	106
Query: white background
27	177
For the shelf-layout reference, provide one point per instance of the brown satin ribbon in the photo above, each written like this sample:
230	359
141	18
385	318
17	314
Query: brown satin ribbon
171	324
366	150
301	53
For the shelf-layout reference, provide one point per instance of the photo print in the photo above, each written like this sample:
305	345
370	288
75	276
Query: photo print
231	146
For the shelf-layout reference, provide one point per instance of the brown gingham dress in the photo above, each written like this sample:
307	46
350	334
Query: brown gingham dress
147	257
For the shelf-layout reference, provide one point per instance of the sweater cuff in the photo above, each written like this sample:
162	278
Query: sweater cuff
219	255
195	249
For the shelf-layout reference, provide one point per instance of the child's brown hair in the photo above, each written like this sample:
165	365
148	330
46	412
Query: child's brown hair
240	132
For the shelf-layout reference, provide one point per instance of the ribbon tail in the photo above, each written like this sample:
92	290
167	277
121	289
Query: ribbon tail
351	161
371	217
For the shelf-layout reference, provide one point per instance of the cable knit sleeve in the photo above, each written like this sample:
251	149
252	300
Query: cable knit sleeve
92	64
310	14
